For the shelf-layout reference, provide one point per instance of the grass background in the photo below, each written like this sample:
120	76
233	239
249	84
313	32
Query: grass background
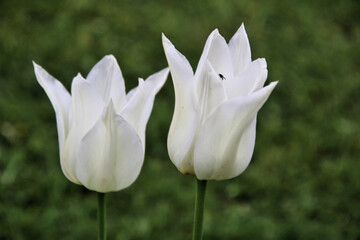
303	181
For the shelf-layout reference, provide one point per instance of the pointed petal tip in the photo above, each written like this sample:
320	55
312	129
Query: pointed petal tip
242	28
78	81
141	81
159	77
109	57
241	31
37	67
274	83
79	75
41	74
265	91
164	71
271	86
215	33
166	42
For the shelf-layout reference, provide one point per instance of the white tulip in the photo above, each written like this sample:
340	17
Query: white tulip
101	129
212	133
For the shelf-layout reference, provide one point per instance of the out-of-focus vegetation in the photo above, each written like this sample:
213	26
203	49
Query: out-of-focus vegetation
303	181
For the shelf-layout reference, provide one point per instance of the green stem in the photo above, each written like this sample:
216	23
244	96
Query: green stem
101	216
199	210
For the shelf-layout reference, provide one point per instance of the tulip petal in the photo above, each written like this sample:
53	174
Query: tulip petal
60	99
217	52
210	94
251	79
87	104
107	79
240	50
110	155
138	109
130	94
210	91
226	141
180	68
87	107
205	53
262	75
184	122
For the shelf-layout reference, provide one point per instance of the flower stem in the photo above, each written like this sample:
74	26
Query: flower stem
199	210
101	216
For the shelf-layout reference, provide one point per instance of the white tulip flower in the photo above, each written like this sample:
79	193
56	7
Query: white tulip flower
101	129
212	133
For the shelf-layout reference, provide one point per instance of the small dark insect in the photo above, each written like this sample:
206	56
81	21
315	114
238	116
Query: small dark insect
222	76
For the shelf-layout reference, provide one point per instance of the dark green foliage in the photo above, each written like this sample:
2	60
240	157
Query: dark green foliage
303	181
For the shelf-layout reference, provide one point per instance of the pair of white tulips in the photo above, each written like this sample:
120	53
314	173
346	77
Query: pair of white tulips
101	129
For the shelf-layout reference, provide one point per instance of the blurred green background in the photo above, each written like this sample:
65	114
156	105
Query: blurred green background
303	181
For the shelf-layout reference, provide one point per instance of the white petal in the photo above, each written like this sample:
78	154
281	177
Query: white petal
68	155
251	79
240	50
217	52
184	122
205	53
60	99
111	155
137	111
87	104
210	91
180	68
130	94
262	76
226	140
87	107
107	79
210	94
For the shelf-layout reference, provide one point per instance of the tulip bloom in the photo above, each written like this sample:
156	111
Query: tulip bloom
212	133
101	129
